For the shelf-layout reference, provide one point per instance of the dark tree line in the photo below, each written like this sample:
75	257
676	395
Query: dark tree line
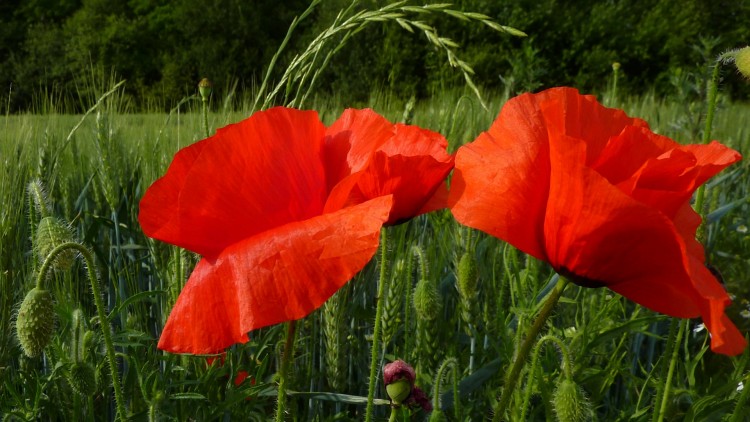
163	47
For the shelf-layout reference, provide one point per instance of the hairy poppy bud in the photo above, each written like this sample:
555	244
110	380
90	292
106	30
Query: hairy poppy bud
616	66
569	402
82	379
50	234
398	377
204	88
35	322
742	61
467	276
427	300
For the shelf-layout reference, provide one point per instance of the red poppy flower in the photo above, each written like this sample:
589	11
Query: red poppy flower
601	198
284	213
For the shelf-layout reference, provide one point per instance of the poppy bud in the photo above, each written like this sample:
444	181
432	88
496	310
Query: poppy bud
204	88
570	402
398	391
51	233
616	67
82	379
742	61
467	276
427	300
398	377
35	322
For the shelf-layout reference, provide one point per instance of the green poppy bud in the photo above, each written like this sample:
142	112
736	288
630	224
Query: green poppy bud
35	322
204	88
398	391
82	379
427	300
467	276
742	61
50	234
569	402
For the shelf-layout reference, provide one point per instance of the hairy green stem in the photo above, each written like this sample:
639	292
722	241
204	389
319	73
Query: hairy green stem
205	117
101	313
394	414
286	360
673	349
382	283
567	366
523	350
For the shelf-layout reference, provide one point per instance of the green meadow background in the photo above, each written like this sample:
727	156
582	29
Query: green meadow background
96	145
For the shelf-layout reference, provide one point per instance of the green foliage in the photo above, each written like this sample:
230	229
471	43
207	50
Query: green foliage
164	47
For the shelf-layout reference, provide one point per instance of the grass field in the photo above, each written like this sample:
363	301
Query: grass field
94	176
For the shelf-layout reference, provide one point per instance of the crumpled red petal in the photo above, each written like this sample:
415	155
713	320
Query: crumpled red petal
279	275
409	162
501	181
601	198
266	170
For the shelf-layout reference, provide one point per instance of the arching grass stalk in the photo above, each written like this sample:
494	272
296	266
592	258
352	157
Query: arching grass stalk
382	284
286	360
103	320
522	352
675	337
567	367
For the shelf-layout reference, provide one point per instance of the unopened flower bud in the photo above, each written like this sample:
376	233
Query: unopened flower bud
51	233
82	379
742	61
569	402
398	391
616	66
35	322
467	276
427	300
204	88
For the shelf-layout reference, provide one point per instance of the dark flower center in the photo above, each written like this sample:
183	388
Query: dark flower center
579	280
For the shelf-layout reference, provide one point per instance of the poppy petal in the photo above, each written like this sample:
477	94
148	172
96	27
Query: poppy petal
158	207
501	181
632	248
406	161
279	275
351	140
412	181
271	174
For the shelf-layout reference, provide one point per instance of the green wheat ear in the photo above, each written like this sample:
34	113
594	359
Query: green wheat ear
35	322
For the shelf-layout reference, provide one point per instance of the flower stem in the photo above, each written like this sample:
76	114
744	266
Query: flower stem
286	359
205	116
522	352
738	413
673	349
394	414
382	282
103	320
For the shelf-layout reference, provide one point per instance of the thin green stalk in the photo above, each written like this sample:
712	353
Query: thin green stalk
394	414
673	347
382	282
101	313
523	351
205	117
286	360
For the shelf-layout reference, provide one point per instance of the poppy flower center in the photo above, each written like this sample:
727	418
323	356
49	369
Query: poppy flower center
579	280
